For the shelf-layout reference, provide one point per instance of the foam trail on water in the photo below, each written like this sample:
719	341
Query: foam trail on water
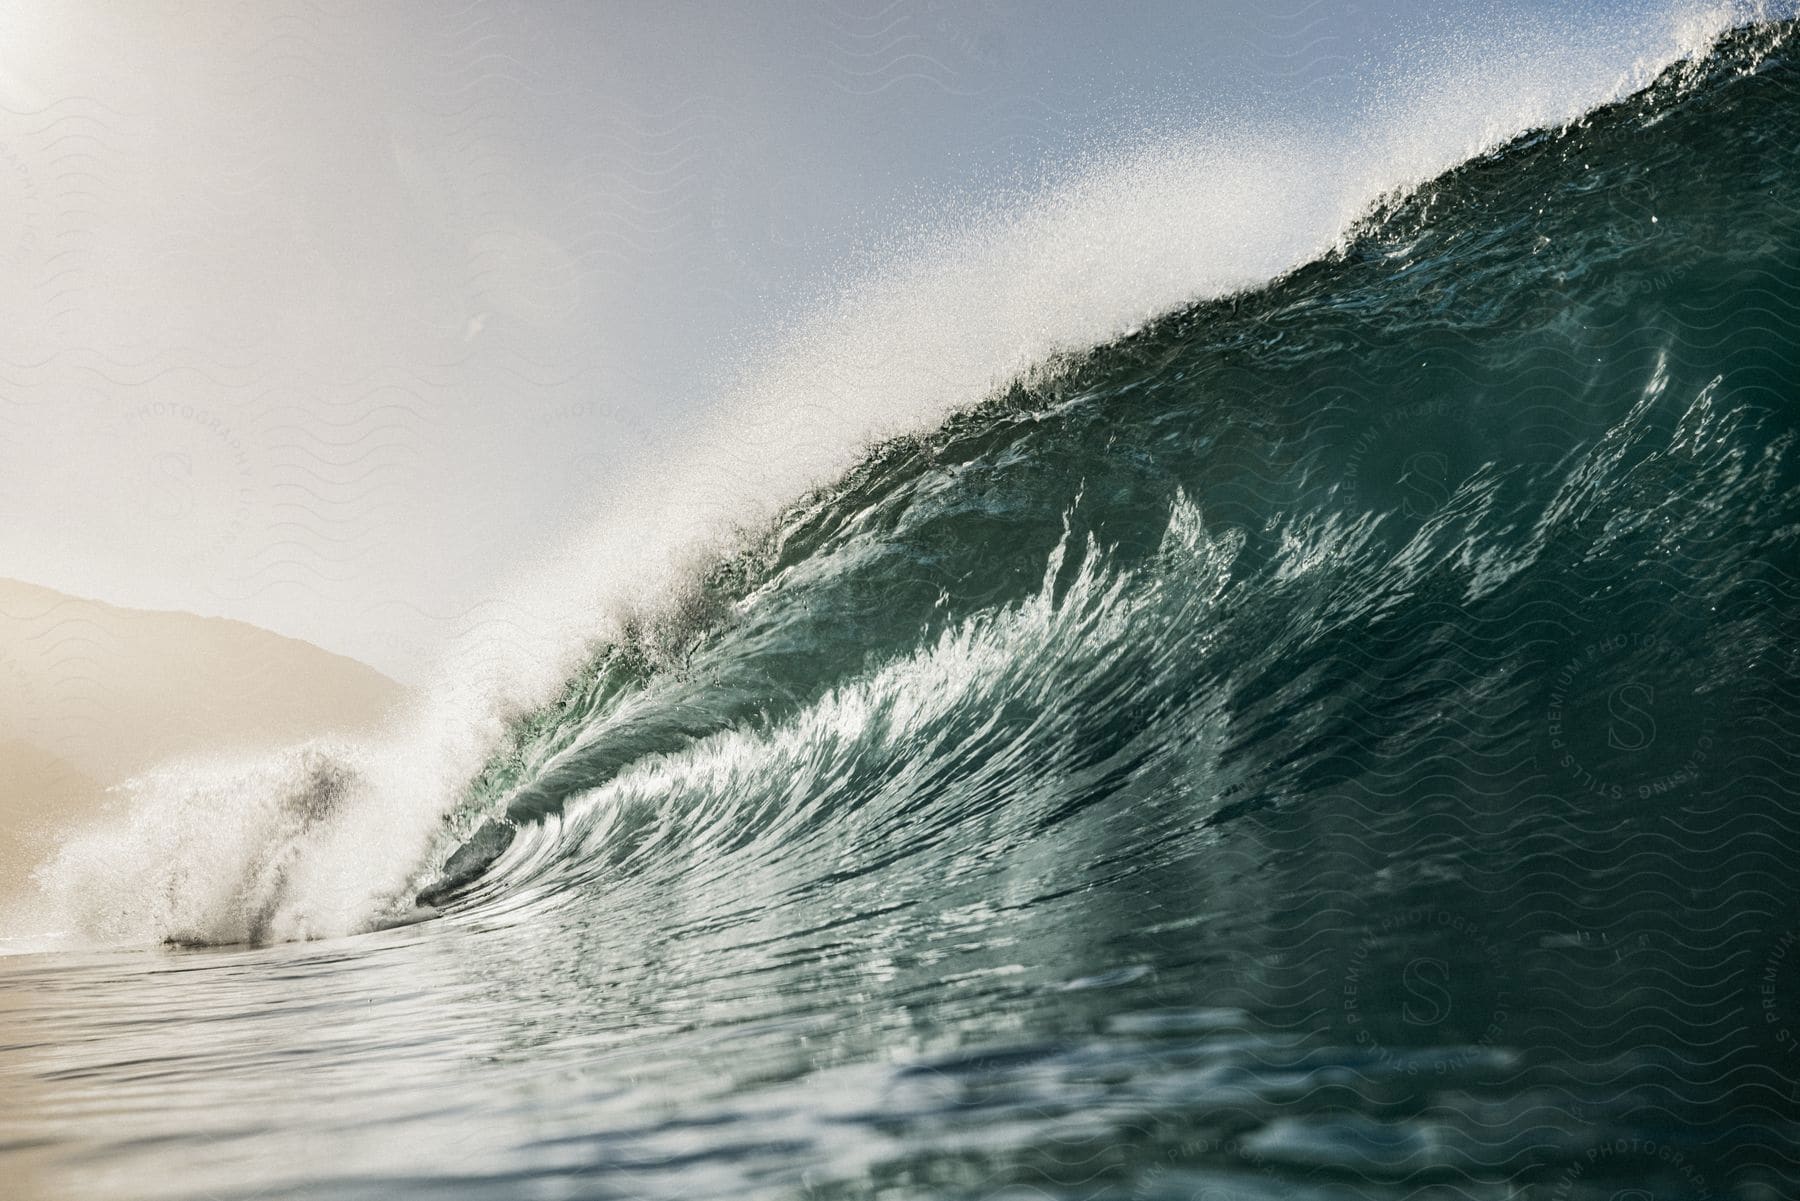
328	840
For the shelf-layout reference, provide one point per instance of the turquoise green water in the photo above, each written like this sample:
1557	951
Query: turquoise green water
1341	741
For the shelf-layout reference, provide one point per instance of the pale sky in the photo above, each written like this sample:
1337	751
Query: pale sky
327	316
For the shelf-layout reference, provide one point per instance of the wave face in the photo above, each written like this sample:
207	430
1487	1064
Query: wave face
1487	516
1391	673
1339	739
1022	297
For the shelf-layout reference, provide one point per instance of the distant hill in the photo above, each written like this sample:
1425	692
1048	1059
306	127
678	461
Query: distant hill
37	789
91	694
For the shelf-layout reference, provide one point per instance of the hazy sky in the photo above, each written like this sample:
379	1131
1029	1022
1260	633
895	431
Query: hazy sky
325	316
